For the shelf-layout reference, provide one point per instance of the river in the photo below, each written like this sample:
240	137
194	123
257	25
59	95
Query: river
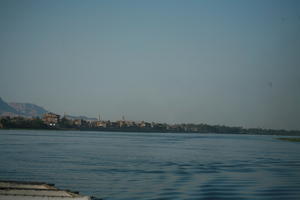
119	165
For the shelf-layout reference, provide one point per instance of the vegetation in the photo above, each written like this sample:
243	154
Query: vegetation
66	123
129	126
290	139
22	123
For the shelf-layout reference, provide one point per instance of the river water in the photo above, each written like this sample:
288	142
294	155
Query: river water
117	165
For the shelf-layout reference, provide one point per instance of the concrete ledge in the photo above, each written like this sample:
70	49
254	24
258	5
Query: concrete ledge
13	190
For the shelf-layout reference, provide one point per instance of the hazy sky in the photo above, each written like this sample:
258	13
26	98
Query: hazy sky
217	62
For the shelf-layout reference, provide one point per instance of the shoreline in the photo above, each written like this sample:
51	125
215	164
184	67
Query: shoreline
113	130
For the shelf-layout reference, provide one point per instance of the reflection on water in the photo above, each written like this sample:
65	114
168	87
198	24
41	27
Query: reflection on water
154	165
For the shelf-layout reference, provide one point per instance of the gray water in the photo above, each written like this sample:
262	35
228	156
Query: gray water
154	165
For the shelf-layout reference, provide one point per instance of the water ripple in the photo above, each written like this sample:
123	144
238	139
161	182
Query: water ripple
148	166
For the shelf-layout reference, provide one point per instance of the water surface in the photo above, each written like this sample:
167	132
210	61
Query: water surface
154	165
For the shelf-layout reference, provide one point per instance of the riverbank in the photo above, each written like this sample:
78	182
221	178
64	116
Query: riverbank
131	126
290	139
156	131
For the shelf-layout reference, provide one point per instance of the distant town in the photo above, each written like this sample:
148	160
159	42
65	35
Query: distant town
52	121
31	116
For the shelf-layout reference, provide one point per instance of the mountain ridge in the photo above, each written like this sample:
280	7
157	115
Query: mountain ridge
15	109
6	109
20	109
28	109
80	117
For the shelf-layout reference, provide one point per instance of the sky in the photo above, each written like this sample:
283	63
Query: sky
232	62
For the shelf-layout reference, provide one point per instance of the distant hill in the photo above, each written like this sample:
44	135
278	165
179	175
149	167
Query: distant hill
20	109
6	109
80	117
28	109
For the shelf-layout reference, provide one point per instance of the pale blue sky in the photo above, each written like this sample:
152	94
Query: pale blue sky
217	62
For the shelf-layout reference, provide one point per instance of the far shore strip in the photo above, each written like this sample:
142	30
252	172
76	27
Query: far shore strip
290	139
